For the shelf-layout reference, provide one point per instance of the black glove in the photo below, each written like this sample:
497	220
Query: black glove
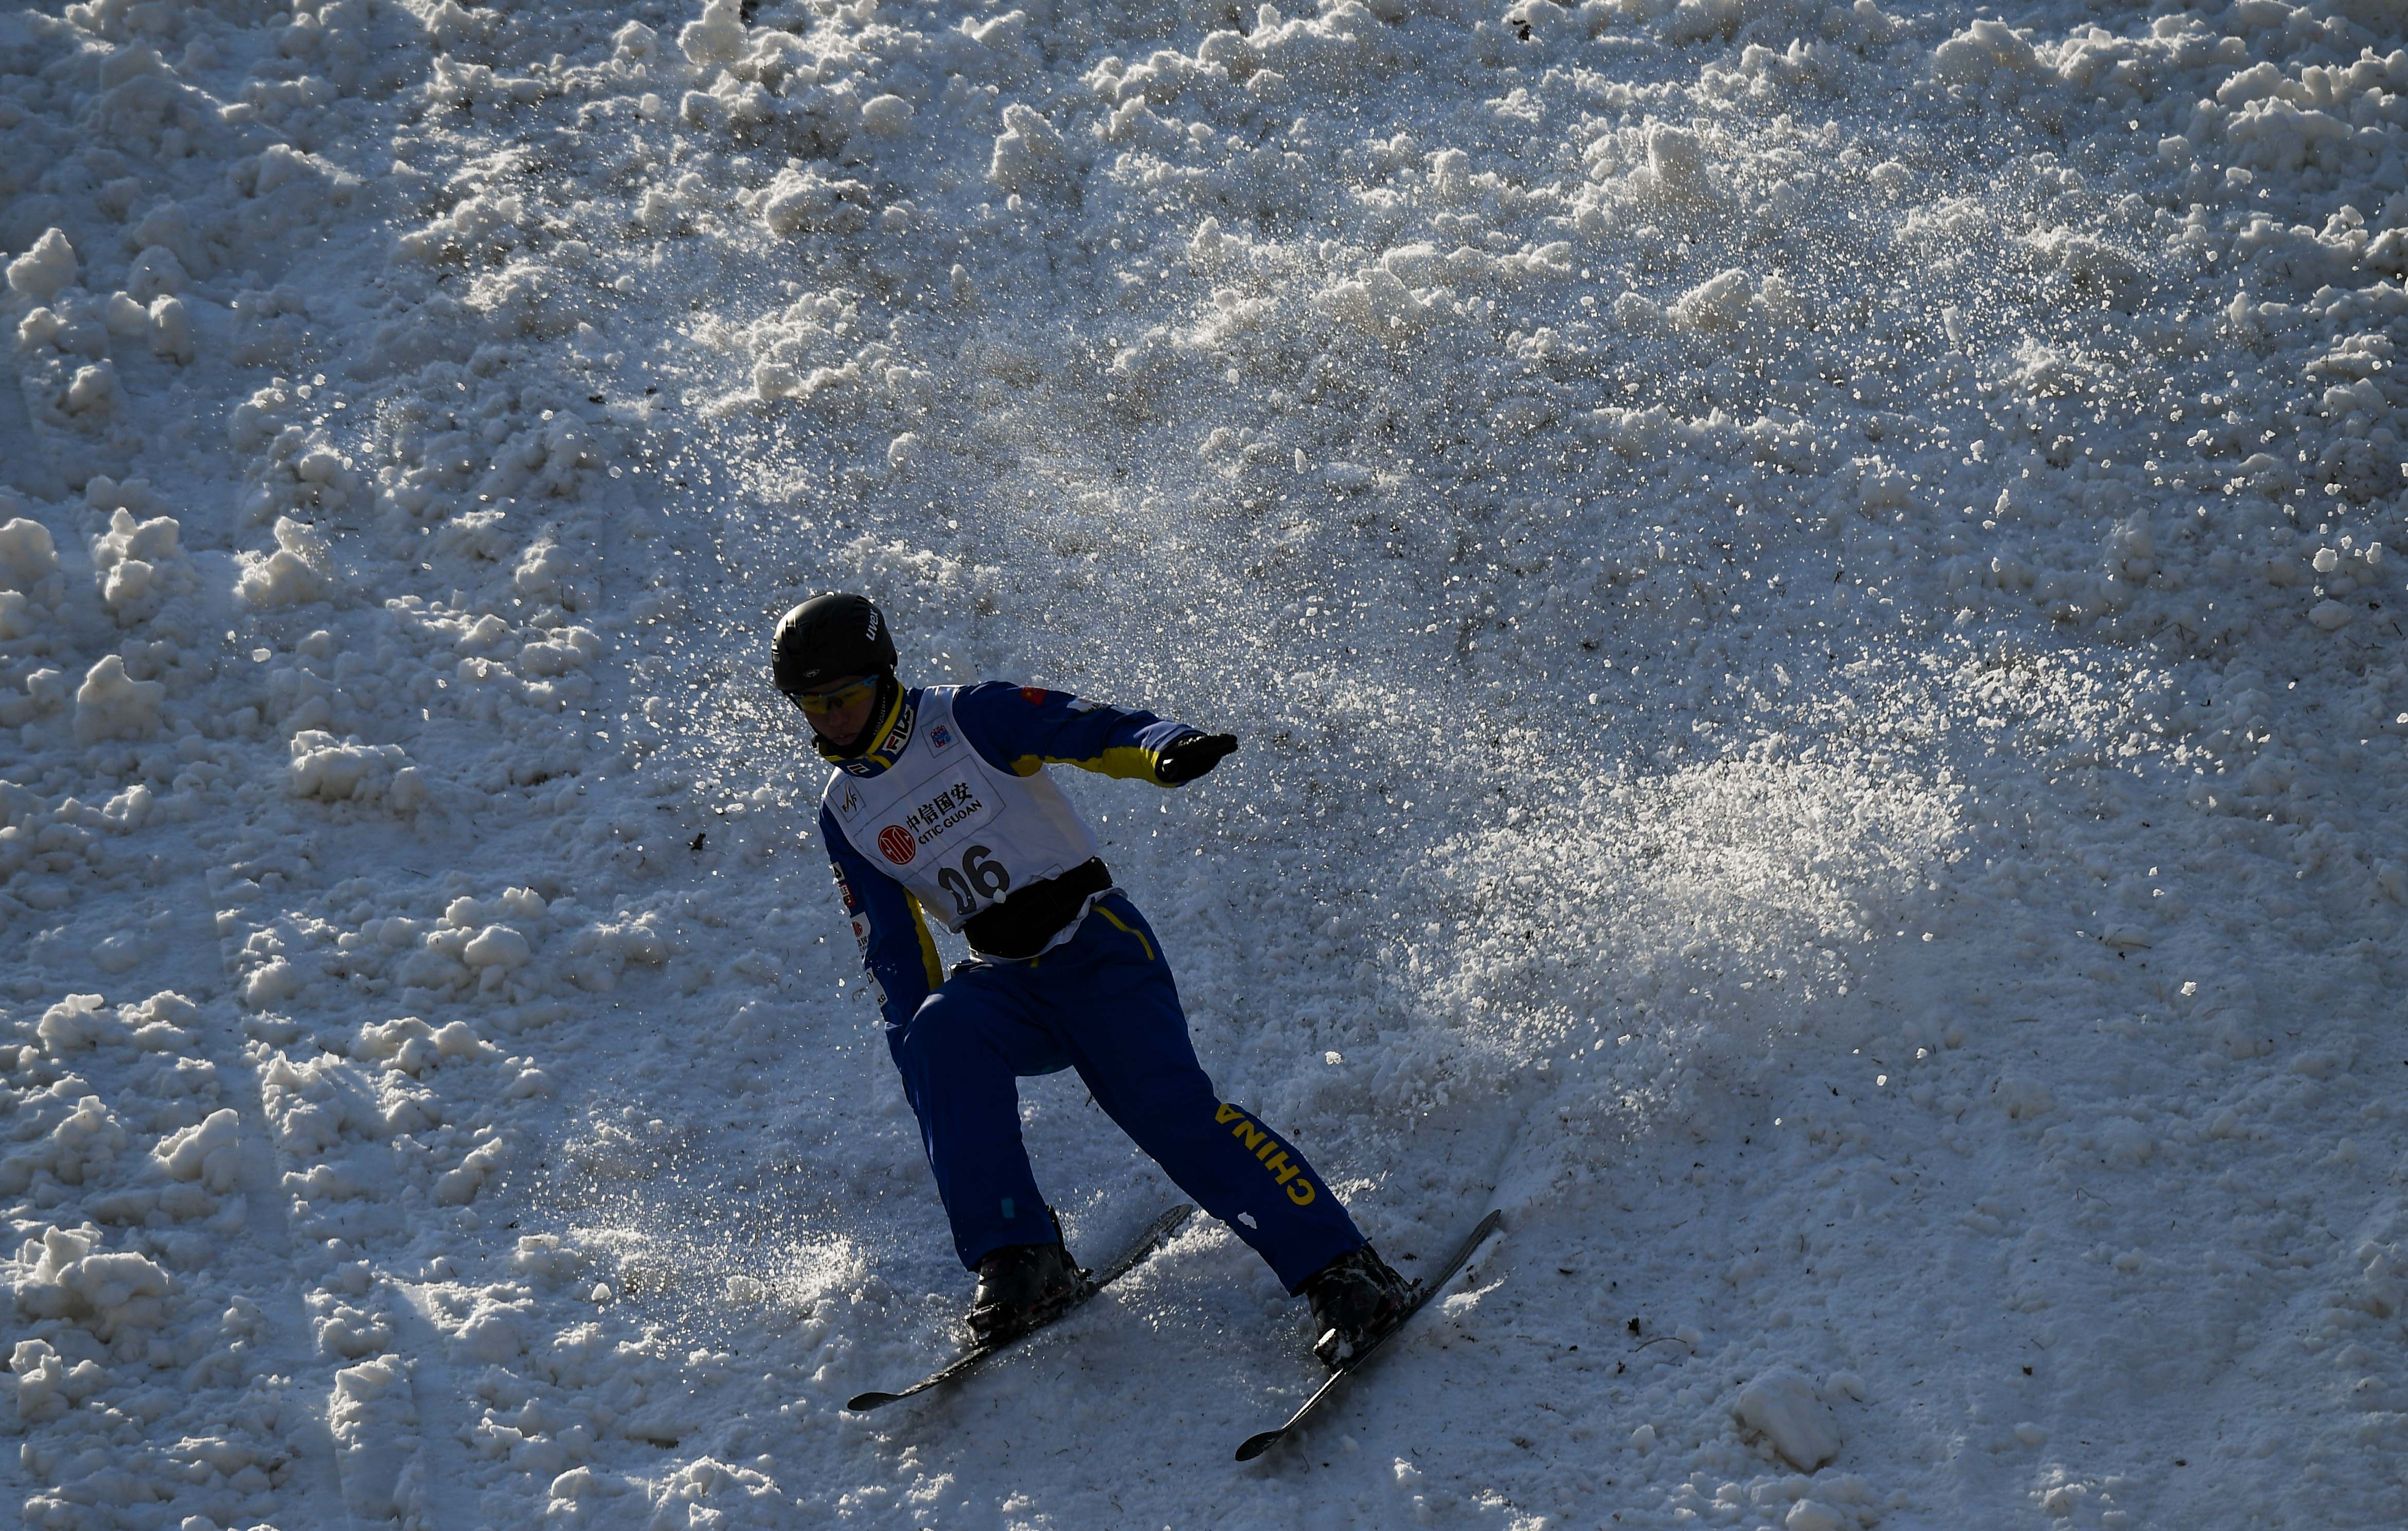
1190	755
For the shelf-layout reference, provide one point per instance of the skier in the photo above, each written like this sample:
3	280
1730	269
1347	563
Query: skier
939	801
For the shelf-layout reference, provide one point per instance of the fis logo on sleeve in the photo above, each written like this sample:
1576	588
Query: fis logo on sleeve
850	804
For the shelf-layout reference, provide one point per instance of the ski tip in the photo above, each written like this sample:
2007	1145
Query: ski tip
1256	1445
862	1403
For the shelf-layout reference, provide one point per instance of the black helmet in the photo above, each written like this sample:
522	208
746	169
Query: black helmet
828	638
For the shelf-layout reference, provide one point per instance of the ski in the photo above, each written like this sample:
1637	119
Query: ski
1156	1234
1258	1444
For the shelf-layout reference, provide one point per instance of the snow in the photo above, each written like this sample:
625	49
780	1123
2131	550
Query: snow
40	272
27	554
1780	1405
111	704
297	573
1809	594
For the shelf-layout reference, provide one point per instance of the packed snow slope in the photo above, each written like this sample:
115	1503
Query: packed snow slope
1811	593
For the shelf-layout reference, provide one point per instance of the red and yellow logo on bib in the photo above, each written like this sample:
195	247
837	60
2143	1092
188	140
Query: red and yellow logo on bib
894	842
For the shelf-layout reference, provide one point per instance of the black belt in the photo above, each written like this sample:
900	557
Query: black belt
1021	926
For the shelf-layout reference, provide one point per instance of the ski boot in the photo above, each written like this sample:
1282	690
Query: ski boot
1019	1286
1356	1299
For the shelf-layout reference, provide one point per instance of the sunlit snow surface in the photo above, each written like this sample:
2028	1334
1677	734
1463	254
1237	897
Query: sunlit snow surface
1810	593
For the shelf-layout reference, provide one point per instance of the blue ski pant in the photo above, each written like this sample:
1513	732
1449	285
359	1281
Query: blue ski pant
1104	1004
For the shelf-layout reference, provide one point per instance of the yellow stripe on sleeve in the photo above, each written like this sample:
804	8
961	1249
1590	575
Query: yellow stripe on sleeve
1126	762
1129	761
928	958
1127	929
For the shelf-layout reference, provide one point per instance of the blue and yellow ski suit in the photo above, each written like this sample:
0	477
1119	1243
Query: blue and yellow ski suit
1101	1002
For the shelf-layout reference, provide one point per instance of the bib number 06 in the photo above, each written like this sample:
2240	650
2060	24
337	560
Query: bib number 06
980	876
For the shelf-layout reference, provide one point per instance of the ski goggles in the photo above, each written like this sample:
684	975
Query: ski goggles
819	704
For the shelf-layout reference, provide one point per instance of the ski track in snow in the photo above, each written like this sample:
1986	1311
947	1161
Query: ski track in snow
1811	592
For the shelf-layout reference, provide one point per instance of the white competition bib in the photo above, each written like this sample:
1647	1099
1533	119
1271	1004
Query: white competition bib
955	831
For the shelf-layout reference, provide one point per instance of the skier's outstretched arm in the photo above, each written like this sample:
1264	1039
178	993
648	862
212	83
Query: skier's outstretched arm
1022	729
897	950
